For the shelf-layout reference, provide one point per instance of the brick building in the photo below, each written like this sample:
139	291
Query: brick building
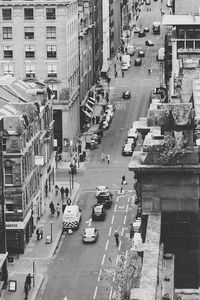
28	156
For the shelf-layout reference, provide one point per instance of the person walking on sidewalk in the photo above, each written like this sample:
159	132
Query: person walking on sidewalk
116	235
108	158
58	209
52	208
56	189
122	74
26	290
66	192
28	280
62	191
103	157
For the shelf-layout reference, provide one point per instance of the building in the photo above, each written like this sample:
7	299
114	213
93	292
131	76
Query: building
97	39
28	156
3	246
40	40
115	25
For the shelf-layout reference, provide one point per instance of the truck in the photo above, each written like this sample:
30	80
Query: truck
161	54
126	59
156	27
71	217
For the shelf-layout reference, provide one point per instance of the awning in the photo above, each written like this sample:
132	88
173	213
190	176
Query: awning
90	101
90	104
89	107
87	113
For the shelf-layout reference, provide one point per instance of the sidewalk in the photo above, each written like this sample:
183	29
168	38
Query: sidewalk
38	254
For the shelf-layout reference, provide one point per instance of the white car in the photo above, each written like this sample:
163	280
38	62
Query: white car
100	189
136	30
90	235
124	67
127	150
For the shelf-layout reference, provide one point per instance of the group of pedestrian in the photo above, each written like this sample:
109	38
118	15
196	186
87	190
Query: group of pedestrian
64	192
105	157
53	209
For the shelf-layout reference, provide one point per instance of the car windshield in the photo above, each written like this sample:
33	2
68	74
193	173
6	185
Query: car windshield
89	231
98	209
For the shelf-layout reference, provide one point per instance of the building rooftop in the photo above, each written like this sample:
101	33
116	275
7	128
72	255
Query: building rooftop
173	20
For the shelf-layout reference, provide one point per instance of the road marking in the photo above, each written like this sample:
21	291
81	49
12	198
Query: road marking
89	222
110	295
117	259
126	208
122	233
124	220
95	292
103	259
117	199
115	208
99	277
120	244
112	219
110	229
107	245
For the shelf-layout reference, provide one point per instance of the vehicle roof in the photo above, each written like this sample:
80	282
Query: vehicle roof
127	146
102	187
71	208
89	230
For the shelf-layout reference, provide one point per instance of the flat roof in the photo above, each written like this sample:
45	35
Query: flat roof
173	20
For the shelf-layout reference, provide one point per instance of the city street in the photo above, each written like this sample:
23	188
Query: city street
76	271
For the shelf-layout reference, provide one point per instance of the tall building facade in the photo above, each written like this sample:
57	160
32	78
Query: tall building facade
98	39
28	157
40	40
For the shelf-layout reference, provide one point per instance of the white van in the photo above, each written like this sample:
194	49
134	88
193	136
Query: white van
126	60
161	54
71	217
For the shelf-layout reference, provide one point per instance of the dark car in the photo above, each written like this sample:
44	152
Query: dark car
141	53
138	62
141	33
149	43
105	198
98	212
146	29
126	95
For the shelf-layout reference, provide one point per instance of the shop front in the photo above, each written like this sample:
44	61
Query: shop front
18	234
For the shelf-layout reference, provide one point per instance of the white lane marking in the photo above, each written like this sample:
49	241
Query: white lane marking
103	259
124	220
117	260
110	229
122	233
110	295
95	292
107	245
120	244
112	219
99	277
117	199
126	208
115	208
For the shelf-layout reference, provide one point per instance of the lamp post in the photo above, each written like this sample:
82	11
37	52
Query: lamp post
51	225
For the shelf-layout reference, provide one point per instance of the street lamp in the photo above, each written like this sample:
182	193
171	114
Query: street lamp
51	224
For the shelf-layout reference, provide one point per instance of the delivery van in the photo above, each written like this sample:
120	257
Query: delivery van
71	217
126	59
161	54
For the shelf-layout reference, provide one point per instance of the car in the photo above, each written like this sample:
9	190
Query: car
105	198
124	66
149	43
141	33
126	95
136	30
131	141
90	235
138	62
127	150
148	2
100	189
98	212
146	29
141	53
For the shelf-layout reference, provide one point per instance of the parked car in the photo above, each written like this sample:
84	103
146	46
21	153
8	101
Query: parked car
124	67
105	198
90	235
100	189
98	212
126	95
149	43
146	29
136	30
141	33
131	141
141	53
127	150
138	62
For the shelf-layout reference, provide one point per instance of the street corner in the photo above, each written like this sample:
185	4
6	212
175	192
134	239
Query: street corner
15	288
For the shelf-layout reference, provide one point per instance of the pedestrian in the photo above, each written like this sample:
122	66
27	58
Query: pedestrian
149	71
26	290
56	189
116	235
74	169
28	280
66	192
120	58
123	180
103	156
38	234
131	231
115	66
58	209
69	201
116	75
108	158
122	74
62	191
52	208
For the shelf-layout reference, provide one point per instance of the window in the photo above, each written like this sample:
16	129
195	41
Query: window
28	14
30	52
7	33
9	207
54	88
51	51
30	71
8	175
6	14
8	70
51	32
52	71
29	33
50	13
7	52
4	144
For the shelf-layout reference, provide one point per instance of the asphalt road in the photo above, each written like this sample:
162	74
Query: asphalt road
76	270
